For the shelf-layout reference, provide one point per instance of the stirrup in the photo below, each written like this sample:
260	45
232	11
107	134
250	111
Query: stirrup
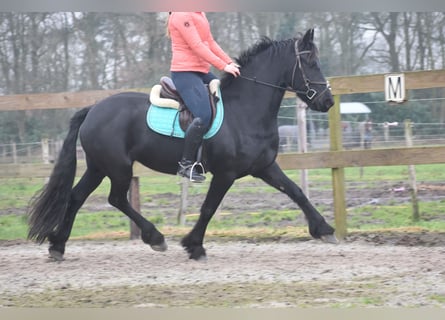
198	164
191	168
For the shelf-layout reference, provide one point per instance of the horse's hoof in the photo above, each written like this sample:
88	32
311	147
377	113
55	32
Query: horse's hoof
197	254
198	258
160	247
329	238
56	255
201	258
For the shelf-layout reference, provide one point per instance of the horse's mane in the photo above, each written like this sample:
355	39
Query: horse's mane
263	44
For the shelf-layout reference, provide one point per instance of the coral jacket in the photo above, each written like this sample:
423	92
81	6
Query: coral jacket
193	46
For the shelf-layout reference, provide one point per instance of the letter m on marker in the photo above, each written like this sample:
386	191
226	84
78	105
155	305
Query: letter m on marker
395	88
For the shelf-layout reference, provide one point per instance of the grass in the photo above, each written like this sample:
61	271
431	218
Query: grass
100	222
13	227
15	194
372	301
264	225
438	298
371	217
253	219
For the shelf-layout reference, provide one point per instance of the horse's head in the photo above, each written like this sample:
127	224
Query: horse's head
307	79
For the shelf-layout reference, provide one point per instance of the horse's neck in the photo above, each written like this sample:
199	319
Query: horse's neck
254	103
257	101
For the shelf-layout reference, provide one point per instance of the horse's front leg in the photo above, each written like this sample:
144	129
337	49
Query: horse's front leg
193	242
318	227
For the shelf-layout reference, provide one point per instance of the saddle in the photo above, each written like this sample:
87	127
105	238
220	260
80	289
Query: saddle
166	95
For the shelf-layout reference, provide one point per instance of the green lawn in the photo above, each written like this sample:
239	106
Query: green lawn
15	194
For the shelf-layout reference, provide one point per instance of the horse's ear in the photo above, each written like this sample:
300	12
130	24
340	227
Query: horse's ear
309	36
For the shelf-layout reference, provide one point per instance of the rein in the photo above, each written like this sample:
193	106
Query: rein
310	92
268	84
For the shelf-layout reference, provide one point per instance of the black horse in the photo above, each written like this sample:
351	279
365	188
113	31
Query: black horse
114	134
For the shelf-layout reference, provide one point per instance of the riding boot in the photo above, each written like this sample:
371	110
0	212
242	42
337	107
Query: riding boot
192	142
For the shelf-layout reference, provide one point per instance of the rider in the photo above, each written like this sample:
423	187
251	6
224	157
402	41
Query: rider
194	51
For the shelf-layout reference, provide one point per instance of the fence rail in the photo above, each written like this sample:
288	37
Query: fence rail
287	161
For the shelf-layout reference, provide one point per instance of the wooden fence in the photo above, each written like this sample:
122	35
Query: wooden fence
336	159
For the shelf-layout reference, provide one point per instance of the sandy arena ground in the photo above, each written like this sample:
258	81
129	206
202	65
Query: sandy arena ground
398	271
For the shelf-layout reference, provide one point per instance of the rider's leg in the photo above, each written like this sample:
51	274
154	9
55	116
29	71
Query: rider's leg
190	86
192	142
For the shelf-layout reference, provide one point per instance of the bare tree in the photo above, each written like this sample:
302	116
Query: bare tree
387	25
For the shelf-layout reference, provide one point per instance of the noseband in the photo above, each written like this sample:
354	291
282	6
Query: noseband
310	93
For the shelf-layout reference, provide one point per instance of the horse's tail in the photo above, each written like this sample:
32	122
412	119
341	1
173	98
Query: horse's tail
47	208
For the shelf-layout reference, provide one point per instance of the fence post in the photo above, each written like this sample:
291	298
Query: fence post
338	174
14	152
183	201
135	232
28	153
412	172
45	150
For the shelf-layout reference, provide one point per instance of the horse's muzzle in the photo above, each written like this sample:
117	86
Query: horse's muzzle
323	101
328	102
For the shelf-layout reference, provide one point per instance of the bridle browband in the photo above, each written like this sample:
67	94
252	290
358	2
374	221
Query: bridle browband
310	92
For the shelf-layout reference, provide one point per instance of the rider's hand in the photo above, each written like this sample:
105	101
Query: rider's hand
233	69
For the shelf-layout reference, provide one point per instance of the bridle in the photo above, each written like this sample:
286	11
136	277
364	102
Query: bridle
310	93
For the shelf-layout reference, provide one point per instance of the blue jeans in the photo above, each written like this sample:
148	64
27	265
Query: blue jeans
192	89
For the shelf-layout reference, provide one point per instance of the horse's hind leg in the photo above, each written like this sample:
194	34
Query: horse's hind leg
87	184
118	199
318	227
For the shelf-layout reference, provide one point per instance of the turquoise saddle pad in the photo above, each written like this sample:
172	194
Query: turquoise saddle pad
166	120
